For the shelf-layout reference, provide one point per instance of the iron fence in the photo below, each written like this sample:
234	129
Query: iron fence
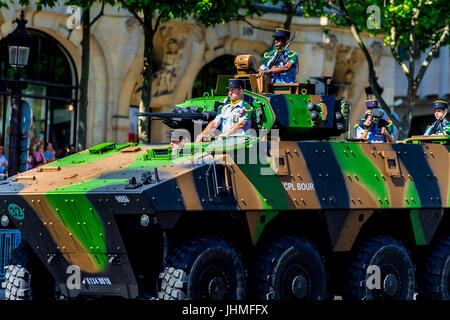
9	240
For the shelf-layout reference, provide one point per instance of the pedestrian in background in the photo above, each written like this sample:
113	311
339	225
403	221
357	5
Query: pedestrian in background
3	161
49	152
38	157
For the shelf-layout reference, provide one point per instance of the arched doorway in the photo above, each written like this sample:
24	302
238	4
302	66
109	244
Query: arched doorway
52	93
207	77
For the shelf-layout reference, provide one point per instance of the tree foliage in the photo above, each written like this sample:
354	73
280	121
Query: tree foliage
151	14
418	25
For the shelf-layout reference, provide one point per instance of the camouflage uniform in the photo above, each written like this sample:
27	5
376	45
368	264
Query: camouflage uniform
374	135
444	126
288	56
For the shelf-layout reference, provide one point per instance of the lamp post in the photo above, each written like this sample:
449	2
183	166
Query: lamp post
19	44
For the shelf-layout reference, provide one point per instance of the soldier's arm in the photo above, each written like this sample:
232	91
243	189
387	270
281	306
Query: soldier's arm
386	134
364	134
241	124
278	70
211	126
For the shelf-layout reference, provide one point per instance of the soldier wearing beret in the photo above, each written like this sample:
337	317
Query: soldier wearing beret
441	126
234	115
286	69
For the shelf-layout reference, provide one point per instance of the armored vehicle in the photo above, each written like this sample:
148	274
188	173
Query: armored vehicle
289	212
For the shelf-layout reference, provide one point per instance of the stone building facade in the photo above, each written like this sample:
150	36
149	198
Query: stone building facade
183	48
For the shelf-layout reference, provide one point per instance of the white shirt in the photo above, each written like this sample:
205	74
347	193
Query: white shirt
229	116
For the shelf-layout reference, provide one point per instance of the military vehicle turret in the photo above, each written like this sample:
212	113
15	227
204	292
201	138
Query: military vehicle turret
290	212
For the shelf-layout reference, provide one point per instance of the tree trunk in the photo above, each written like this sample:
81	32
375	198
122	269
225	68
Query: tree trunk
84	80
289	14
144	128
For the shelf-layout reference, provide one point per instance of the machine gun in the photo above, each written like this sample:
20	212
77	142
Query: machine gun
280	53
175	116
182	118
437	123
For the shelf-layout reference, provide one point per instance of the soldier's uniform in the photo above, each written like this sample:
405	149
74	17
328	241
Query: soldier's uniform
370	104
288	56
230	113
442	128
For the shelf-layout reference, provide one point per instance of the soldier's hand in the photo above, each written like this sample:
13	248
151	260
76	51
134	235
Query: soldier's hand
199	138
368	121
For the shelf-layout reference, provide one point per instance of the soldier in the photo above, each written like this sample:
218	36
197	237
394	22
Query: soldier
371	104
441	126
234	116
286	69
373	128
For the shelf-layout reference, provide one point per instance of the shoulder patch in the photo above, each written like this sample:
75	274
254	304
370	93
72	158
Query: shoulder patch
291	54
268	53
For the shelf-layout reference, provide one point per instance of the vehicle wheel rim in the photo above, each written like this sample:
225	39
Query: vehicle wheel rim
295	283
391	282
214	283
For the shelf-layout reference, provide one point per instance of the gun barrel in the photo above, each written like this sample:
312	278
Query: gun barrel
171	115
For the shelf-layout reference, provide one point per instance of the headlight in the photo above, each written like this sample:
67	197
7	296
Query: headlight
4	220
145	220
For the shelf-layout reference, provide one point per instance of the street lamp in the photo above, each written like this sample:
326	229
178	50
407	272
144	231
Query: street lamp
19	44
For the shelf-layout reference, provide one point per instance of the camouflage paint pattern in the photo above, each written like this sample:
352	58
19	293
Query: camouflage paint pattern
69	205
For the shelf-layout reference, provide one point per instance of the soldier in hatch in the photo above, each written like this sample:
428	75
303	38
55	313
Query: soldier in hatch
441	126
286	69
234	116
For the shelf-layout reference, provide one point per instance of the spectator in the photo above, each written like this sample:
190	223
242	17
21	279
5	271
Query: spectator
39	158
72	149
68	151
30	160
3	161
49	152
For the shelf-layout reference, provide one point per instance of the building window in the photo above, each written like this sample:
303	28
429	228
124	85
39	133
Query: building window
52	93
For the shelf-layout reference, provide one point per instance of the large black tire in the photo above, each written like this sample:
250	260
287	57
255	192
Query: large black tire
396	271
288	269
19	284
434	275
203	268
